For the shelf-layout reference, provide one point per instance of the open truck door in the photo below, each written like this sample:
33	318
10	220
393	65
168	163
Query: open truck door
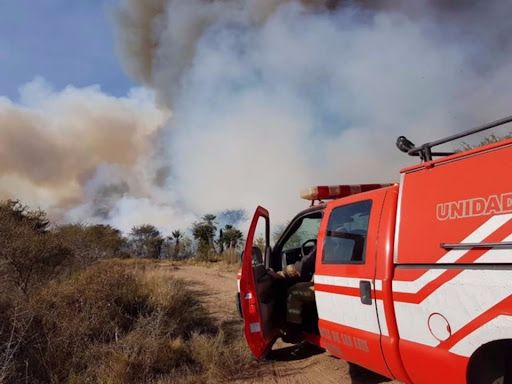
256	288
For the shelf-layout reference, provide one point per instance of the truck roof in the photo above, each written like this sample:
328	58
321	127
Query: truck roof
313	208
425	151
457	156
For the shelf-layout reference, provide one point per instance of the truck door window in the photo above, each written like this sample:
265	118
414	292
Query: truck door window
307	230
260	242
345	240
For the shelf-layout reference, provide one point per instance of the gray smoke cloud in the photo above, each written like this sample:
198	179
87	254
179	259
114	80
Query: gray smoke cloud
255	99
159	38
271	96
79	153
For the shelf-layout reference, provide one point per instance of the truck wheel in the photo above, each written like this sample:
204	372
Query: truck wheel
488	377
489	364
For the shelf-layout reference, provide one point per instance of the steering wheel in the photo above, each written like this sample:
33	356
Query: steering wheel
303	246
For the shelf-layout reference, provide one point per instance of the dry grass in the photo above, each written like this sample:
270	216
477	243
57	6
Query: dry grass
118	321
220	264
221	359
67	316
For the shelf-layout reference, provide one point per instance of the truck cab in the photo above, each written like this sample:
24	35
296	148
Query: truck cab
411	280
343	233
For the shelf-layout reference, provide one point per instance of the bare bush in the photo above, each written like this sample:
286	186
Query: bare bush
14	324
30	255
96	306
93	242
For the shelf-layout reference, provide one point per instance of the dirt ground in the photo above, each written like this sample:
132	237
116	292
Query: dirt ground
302	364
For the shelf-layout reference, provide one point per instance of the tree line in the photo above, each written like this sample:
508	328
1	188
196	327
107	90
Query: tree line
206	242
33	251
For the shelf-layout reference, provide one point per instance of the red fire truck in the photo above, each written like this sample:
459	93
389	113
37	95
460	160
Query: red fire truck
412	280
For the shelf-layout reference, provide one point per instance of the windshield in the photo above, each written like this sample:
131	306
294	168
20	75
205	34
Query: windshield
307	230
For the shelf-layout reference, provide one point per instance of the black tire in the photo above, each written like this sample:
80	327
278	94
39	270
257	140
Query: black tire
491	365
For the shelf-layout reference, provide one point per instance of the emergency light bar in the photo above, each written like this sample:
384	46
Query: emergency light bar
337	191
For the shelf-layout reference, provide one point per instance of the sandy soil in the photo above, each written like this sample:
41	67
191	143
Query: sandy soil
302	364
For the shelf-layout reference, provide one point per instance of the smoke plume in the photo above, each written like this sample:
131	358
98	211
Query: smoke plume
266	97
77	150
270	96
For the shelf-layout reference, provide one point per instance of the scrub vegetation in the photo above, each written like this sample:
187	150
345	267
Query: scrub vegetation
490	139
77	307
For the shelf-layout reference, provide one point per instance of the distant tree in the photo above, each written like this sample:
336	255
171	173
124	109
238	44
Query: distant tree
220	241
209	218
106	241
232	237
186	247
260	243
176	236
278	232
19	213
93	242
229	242
146	241
204	233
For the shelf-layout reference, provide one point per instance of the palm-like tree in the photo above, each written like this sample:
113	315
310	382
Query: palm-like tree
176	235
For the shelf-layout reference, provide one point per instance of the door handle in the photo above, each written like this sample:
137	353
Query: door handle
365	292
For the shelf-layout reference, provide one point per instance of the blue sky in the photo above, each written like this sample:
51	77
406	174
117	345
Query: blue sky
64	41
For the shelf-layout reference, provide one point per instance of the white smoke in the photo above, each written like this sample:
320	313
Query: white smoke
267	97
81	154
